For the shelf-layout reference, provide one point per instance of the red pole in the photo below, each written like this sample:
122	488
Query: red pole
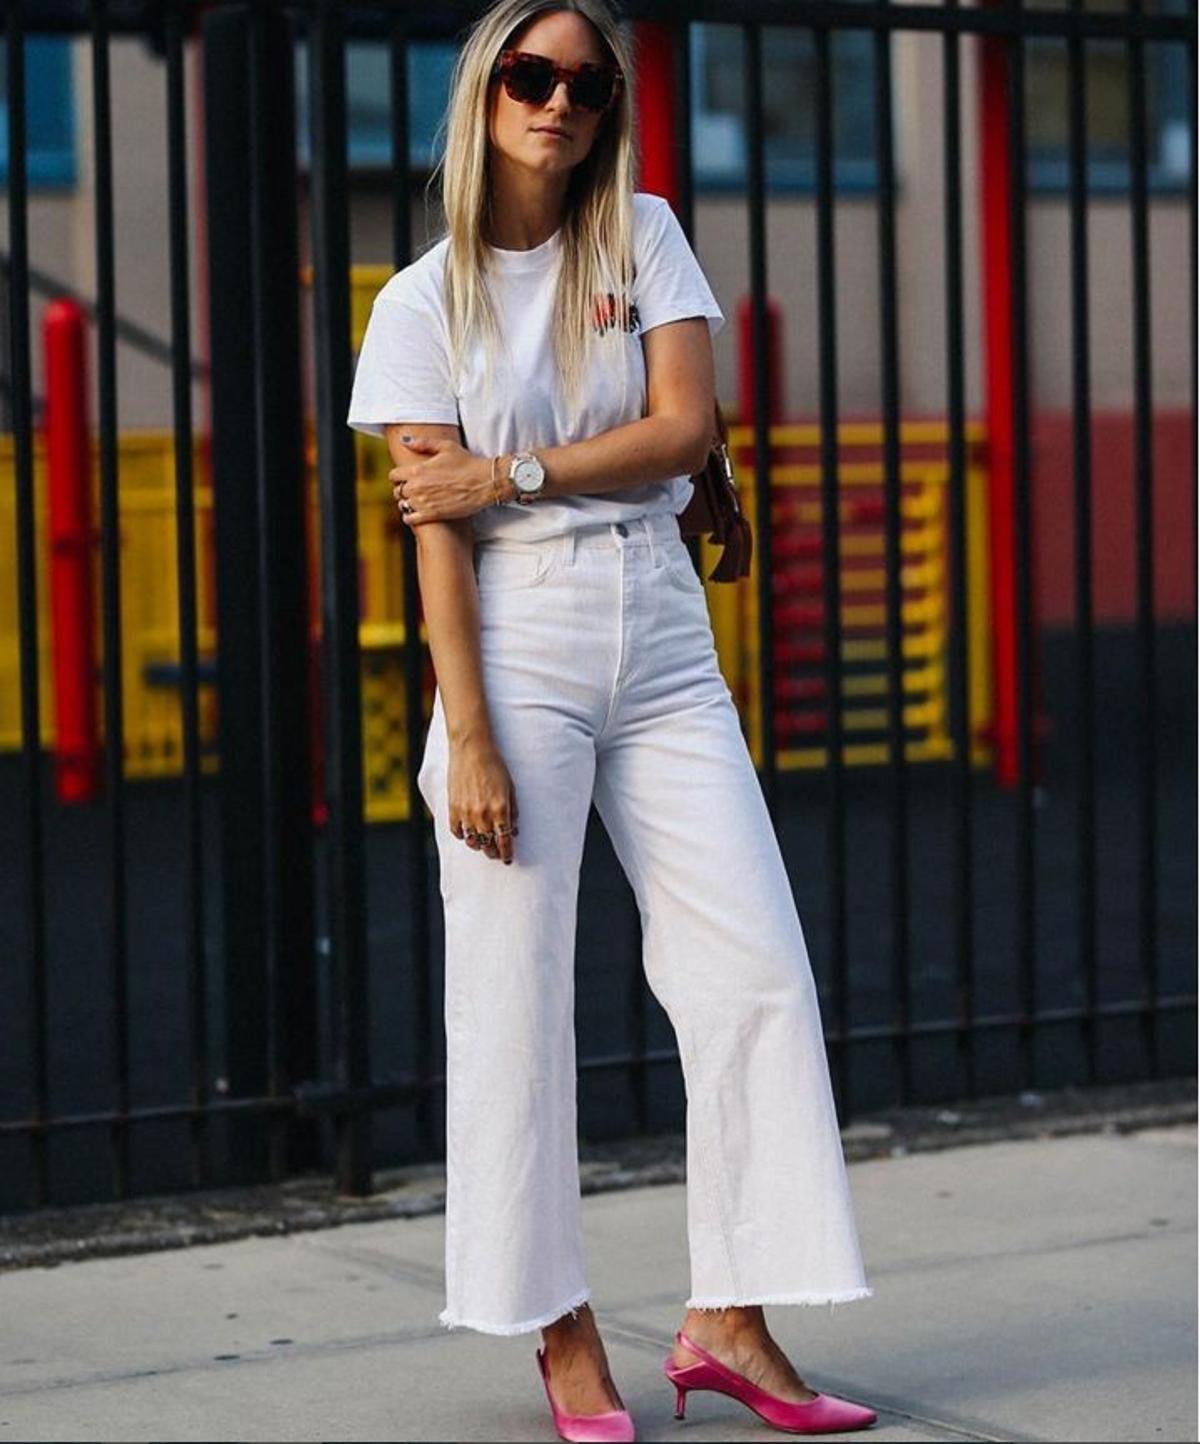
995	233
71	538
655	101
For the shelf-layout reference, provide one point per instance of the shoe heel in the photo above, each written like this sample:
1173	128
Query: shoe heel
680	1400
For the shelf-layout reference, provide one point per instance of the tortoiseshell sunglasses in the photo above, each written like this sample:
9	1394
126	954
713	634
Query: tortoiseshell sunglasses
531	78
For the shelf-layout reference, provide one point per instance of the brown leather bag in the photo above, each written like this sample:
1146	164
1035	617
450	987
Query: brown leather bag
715	509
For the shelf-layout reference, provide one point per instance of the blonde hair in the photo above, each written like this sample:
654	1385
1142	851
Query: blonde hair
597	228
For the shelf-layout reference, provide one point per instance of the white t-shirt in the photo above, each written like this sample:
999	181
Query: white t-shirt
403	370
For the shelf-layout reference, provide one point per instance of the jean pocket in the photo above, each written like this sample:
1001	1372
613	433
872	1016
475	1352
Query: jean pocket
433	733
512	568
678	565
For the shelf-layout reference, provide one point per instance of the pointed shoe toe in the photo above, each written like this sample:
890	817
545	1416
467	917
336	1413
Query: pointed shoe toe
824	1414
614	1426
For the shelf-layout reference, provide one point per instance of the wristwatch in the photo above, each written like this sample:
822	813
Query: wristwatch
528	477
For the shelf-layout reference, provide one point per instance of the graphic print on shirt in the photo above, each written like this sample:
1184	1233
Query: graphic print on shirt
604	314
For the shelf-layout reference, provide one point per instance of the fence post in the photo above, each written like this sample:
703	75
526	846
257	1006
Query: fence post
269	956
345	844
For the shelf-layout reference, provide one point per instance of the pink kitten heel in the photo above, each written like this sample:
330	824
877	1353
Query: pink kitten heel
823	1415
608	1428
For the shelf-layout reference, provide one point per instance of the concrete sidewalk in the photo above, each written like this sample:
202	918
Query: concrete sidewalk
1038	1289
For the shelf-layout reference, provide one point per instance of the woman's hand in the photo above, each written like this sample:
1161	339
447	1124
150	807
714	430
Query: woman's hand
448	482
481	799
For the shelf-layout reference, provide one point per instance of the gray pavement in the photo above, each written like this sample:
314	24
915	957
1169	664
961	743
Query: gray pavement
1035	1289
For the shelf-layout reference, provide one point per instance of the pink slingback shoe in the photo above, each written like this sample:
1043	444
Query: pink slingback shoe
823	1415
608	1428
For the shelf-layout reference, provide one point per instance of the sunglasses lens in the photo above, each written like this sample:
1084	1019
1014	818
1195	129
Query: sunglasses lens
592	89
530	80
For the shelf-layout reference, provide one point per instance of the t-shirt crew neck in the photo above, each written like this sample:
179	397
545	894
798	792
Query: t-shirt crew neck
533	259
514	401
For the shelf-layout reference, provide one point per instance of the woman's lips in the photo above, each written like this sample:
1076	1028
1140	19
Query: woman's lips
554	134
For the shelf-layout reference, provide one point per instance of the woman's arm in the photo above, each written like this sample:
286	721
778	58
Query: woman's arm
672	439
480	791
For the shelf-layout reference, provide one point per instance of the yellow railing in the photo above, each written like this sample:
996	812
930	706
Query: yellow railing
801	706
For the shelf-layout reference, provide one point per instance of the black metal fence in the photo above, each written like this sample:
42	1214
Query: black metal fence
271	1051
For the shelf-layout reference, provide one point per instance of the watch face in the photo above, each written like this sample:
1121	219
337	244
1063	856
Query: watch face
527	475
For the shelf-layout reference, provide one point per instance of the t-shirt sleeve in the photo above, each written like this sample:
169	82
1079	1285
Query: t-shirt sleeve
670	285
402	373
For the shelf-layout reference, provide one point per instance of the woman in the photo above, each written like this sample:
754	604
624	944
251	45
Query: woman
563	322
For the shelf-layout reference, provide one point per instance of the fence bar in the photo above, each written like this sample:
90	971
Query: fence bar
1081	429
401	180
185	563
756	202
283	605
681	140
1026	966
241	738
419	843
685	188
676	47
341	664
889	350
1144	534
959	664
1194	311
27	604
668	51
831	564
268	608
110	553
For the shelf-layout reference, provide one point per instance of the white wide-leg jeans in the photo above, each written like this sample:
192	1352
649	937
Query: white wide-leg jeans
602	684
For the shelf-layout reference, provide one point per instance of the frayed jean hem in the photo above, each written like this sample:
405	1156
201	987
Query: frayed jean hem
844	1296
526	1326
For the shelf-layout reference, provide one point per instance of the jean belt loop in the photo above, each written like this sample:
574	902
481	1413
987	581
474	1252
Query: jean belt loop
648	527
568	547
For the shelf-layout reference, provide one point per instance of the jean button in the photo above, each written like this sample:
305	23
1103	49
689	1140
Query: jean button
622	529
